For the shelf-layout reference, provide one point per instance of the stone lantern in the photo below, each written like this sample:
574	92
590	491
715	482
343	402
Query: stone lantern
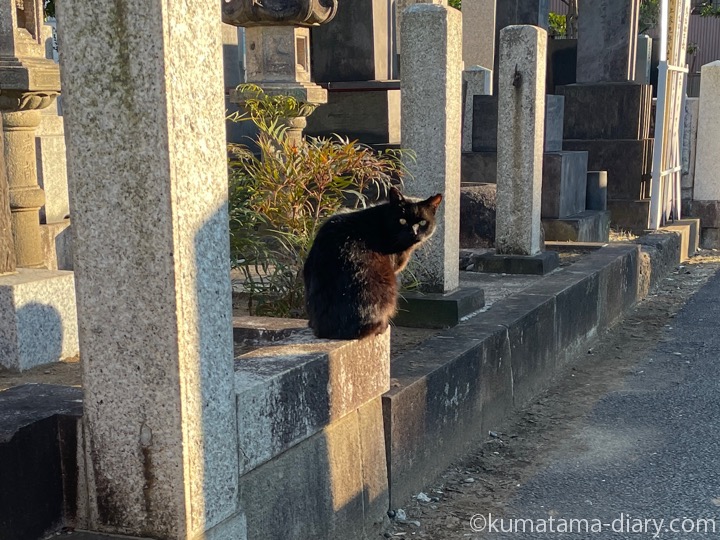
28	83
277	45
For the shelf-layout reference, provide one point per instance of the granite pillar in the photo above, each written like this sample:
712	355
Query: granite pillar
477	81
479	33
707	181
607	41
521	123
144	121
431	64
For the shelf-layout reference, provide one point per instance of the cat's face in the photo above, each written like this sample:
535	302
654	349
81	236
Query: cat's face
411	222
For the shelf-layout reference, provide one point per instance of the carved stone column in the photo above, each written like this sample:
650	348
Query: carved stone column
7	246
28	83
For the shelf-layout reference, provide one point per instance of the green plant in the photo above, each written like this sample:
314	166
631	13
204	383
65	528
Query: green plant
457	4
278	199
557	24
49	8
709	9
649	15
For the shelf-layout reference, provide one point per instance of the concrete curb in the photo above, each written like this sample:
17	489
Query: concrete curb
462	383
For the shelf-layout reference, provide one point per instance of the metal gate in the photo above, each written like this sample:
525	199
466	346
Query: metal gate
665	193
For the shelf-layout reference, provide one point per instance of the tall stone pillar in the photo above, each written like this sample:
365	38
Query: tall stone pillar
431	67
29	82
144	120
521	124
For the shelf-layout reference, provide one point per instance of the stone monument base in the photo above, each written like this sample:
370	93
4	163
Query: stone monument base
540	264
437	310
587	226
38	318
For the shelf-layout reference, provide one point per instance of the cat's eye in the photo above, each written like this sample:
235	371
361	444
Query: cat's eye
423	222
403	221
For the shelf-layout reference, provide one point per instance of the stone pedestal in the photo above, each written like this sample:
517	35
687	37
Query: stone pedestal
644	59
607	40
431	64
26	197
39	322
148	178
596	193
521	123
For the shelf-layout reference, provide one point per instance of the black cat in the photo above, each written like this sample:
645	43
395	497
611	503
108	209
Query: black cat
350	284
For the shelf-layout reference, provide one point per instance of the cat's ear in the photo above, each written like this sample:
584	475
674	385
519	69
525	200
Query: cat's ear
395	196
434	201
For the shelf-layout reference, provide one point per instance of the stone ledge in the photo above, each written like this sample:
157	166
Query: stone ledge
540	264
463	382
292	389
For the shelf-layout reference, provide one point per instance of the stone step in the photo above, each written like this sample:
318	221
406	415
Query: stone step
629	215
587	226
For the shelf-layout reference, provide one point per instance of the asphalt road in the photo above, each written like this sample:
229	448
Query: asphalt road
645	462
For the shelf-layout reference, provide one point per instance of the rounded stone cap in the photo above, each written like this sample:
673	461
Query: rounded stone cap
27	198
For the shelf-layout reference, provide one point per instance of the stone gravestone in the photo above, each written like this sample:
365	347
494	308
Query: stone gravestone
355	56
607	40
479	33
477	81
431	127
521	124
607	114
431	96
148	183
706	190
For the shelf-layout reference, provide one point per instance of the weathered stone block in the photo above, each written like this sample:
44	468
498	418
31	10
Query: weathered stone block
57	245
289	391
562	63
707	184
607	111
369	113
332	485
587	226
628	164
630	215
40	322
554	119
356	45
38	458
607	41
479	167
477	215
708	212
437	310
496	263
689	231
477	81
564	183
710	238
596	192
52	166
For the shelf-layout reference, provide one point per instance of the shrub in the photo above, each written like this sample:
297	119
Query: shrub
279	197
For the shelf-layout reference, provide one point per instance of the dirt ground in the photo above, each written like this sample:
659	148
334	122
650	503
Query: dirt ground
486	479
